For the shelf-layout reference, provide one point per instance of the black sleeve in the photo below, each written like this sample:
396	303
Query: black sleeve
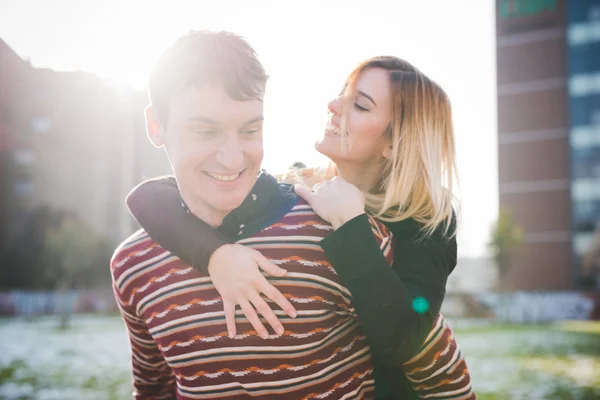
383	297
156	205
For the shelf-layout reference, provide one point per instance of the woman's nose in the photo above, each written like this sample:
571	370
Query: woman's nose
335	106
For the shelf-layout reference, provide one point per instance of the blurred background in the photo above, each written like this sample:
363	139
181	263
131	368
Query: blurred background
524	80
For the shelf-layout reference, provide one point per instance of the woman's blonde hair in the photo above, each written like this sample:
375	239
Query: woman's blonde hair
418	179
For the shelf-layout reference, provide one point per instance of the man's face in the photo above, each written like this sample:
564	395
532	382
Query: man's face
215	147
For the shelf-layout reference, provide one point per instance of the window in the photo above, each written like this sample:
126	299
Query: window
594	13
24	188
583	33
524	8
584	84
585	137
582	242
24	157
585	190
40	125
585	162
584	210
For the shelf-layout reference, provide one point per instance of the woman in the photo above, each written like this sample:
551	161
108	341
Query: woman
391	141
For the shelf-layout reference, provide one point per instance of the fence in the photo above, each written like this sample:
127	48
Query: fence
45	302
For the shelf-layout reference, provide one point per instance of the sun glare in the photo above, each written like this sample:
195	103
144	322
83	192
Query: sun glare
306	50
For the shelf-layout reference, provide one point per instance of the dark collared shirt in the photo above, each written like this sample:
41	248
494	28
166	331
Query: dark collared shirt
267	202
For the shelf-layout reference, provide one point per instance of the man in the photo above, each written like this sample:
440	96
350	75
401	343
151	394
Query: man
206	111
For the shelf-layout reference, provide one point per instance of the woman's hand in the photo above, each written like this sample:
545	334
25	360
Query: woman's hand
234	270
335	200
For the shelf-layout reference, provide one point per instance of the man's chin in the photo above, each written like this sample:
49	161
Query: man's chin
230	202
226	209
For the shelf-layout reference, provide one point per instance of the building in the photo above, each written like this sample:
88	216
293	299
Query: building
11	66
548	56
583	40
71	141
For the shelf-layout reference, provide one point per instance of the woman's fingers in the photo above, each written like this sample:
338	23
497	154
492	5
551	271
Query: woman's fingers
263	308
229	309
250	313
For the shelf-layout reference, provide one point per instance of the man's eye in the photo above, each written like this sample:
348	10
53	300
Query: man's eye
251	131
207	132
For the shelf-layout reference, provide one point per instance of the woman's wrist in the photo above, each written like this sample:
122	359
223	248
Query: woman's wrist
339	220
223	249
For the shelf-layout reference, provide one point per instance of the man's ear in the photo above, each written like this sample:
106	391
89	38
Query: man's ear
154	128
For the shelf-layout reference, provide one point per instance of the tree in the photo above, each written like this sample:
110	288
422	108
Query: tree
591	262
79	256
53	246
25	260
506	238
55	251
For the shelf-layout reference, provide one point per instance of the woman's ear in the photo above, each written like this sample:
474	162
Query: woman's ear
387	152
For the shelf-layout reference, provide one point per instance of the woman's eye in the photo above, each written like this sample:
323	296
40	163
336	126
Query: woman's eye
359	107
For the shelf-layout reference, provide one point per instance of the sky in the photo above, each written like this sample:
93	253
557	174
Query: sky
307	47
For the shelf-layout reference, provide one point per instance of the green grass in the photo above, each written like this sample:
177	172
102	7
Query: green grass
90	360
547	361
20	373
590	327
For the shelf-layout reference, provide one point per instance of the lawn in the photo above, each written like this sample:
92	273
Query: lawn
90	360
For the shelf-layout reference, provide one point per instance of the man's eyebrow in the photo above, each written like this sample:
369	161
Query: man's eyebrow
203	120
253	120
213	122
367	96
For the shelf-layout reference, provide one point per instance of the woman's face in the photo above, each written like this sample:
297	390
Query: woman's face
368	116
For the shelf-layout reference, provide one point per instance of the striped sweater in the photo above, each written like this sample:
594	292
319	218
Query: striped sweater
178	336
439	370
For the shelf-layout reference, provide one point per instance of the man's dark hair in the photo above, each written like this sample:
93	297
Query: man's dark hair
298	165
204	57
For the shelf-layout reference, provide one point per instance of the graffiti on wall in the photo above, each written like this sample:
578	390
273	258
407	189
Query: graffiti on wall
37	303
527	307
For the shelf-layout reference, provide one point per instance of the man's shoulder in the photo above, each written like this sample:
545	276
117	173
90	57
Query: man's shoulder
132	250
303	210
300	207
295	216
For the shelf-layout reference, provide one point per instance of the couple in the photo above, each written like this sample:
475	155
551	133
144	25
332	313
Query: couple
352	298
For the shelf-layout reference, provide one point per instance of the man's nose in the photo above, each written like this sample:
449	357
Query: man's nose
231	155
